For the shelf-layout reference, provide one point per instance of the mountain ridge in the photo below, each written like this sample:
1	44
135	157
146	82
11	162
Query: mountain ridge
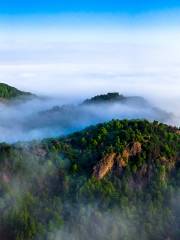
8	93
67	184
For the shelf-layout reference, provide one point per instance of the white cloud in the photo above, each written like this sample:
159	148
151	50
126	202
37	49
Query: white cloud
83	62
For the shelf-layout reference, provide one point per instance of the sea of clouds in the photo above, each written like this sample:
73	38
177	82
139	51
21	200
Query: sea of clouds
66	67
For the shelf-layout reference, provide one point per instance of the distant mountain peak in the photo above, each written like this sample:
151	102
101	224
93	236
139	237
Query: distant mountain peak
115	97
109	97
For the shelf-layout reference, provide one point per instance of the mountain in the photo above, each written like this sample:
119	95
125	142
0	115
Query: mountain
10	93
117	180
98	109
105	98
115	97
38	117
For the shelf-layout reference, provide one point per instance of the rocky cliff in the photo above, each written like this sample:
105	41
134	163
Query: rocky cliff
112	160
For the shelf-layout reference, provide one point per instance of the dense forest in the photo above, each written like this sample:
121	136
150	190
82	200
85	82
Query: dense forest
117	180
8	92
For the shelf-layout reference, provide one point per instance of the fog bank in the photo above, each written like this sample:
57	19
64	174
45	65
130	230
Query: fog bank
41	118
70	65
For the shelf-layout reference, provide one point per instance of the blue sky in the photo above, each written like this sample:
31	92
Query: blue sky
85	6
92	46
89	12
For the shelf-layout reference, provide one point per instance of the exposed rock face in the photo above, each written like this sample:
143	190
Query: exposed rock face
131	150
135	149
104	166
111	160
178	132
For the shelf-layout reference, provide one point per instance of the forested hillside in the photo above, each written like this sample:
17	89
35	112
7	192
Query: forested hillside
8	92
117	180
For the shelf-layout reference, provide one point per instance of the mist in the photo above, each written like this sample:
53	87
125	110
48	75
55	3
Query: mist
65	66
47	189
43	117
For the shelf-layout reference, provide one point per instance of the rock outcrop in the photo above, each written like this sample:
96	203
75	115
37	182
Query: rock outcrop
105	165
178	132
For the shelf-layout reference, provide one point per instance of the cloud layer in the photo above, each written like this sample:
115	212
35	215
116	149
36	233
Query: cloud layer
74	64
